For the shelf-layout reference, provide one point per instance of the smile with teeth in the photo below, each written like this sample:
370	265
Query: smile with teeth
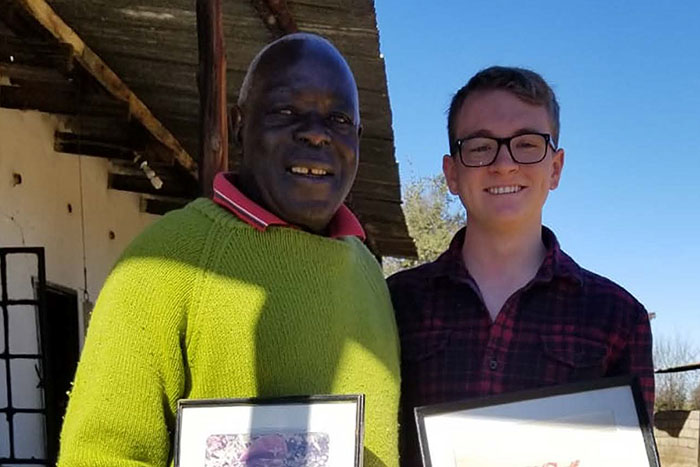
504	190
299	170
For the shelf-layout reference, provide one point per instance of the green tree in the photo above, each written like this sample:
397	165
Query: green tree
432	216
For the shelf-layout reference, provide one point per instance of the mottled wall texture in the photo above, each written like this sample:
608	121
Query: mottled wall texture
60	202
677	435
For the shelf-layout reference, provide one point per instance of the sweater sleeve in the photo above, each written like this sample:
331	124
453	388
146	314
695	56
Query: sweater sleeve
123	403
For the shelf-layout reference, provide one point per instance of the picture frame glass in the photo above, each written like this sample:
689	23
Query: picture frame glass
319	431
596	427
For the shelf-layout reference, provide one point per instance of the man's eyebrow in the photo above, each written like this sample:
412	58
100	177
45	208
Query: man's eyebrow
279	89
490	134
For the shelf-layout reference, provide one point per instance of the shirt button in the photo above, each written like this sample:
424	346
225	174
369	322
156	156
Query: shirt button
493	364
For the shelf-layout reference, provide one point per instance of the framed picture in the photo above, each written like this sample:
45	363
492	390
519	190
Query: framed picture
299	431
599	423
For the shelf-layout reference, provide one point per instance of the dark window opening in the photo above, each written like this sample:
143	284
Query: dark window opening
59	333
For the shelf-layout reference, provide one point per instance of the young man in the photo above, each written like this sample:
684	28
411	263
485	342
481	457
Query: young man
504	308
265	291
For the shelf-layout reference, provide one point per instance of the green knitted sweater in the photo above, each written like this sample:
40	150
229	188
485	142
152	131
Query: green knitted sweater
202	305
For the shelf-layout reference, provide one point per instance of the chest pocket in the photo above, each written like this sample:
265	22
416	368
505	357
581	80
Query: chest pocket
571	358
423	345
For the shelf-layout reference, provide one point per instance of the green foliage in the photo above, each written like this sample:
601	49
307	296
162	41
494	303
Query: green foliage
432	215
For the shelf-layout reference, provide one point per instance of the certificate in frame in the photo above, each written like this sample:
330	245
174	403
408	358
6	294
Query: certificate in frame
596	423
319	430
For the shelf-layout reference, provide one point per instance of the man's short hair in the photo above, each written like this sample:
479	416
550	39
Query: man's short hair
524	84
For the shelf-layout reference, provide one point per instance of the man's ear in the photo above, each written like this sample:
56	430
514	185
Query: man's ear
557	167
236	124
359	131
450	171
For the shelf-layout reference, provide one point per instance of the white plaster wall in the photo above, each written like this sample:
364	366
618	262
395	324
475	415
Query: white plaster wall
35	213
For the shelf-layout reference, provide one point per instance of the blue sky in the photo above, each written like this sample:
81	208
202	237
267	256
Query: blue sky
627	77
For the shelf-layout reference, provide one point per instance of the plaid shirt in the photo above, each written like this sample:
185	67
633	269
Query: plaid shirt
567	324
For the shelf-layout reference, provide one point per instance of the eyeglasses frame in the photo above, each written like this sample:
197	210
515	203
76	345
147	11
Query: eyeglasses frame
505	141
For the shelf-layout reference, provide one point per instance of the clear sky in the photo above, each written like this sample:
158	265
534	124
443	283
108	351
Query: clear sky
627	77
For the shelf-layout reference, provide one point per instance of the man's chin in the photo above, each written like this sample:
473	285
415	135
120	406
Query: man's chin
309	215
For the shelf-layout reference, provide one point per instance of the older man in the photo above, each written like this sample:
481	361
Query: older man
267	290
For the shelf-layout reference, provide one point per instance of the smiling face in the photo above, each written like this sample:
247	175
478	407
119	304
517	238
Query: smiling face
300	132
505	195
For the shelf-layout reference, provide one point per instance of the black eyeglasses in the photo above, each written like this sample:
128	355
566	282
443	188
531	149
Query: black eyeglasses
525	148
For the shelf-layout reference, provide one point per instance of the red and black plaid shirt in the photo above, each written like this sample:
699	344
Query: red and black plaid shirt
567	324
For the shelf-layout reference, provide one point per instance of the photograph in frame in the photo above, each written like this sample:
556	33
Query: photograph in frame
298	431
588	424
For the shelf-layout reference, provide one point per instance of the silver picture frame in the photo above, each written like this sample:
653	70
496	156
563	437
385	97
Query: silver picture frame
295	431
594	423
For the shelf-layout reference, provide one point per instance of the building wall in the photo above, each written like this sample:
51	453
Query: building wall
677	434
60	195
62	203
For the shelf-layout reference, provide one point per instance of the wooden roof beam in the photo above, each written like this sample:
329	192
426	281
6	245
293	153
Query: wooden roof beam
26	73
130	176
110	148
21	51
211	80
63	99
92	63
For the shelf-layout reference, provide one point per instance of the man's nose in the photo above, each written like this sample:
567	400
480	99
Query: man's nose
313	133
504	161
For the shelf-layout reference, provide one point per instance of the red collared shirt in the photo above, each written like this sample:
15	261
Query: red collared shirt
567	324
343	224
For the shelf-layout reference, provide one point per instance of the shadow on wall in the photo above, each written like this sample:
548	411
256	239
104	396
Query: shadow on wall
672	422
677	434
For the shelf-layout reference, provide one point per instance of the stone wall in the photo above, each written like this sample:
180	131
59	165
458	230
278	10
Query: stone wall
677	435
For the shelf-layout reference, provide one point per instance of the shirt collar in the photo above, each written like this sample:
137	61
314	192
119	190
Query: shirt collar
556	262
342	224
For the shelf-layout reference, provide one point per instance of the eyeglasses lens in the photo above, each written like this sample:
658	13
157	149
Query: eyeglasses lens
529	148
526	149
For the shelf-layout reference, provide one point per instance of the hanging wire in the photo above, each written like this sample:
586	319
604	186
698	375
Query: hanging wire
86	295
78	124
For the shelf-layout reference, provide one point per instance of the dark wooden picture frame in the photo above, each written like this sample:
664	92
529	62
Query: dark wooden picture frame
293	427
543	419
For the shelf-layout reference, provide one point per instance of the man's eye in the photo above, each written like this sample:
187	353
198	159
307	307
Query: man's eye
341	119
526	145
478	149
281	111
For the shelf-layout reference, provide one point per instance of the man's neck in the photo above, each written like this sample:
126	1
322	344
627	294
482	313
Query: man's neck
502	261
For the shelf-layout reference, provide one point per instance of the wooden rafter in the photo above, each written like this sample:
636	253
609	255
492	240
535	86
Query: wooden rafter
211	80
93	64
63	99
15	51
112	147
123	175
